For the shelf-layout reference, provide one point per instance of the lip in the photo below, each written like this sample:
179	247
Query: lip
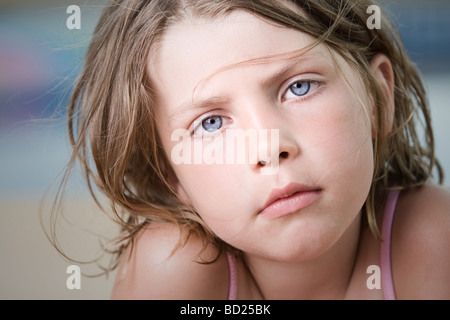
289	199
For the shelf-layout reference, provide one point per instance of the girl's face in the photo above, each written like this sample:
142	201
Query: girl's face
320	152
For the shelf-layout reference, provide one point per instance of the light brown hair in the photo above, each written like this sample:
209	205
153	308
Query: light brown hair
111	113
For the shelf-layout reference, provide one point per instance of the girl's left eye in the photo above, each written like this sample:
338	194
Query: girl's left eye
300	89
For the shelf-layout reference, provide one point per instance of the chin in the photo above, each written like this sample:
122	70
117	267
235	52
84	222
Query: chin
301	249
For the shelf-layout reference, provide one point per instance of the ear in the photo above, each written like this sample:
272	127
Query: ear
384	74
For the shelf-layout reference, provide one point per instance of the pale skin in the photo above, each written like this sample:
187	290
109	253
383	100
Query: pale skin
319	252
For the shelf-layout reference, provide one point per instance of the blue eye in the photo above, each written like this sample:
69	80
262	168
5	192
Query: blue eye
300	88
212	124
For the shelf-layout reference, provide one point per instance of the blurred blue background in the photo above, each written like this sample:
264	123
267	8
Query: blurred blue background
39	60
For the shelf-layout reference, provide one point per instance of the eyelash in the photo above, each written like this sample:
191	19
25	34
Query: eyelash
313	86
198	124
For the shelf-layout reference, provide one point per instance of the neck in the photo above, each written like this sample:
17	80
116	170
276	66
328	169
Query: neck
327	276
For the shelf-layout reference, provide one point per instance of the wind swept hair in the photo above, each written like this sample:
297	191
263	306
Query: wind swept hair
111	115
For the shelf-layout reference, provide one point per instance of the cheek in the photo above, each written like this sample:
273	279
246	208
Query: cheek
219	195
346	120
343	143
209	187
207	178
348	135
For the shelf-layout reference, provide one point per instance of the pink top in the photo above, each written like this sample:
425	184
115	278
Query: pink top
385	254
232	286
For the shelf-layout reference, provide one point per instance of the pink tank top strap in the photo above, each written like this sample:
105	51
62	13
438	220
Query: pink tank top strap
232	286
385	254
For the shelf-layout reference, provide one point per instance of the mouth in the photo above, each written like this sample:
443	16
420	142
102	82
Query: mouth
289	199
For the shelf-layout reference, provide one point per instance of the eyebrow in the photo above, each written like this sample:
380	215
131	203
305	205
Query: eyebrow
188	106
217	101
280	73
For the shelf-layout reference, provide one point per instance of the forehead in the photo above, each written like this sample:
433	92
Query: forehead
196	48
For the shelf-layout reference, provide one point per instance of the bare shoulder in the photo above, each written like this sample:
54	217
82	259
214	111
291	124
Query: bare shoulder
421	244
155	271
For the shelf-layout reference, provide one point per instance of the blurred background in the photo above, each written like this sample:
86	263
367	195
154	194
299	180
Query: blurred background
39	60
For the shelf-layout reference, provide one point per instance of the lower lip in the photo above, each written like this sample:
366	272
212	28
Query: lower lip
294	203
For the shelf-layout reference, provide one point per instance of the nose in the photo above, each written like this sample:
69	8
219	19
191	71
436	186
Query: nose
276	143
274	152
268	160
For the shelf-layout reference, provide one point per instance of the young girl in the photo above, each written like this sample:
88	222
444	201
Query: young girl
333	200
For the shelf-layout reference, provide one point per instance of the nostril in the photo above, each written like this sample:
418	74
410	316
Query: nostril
284	155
